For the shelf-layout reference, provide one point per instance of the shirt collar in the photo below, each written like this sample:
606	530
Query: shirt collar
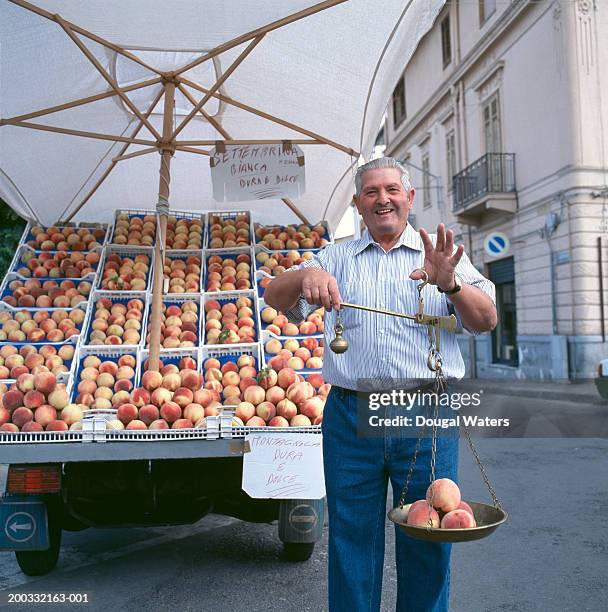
409	238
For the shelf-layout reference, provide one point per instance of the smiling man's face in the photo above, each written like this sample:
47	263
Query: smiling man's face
384	204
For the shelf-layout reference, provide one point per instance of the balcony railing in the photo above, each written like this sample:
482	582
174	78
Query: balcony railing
491	173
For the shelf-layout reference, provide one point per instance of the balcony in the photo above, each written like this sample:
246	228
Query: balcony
485	189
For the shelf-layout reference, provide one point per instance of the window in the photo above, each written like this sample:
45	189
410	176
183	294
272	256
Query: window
399	103
486	9
446	43
491	125
504	336
450	149
426	181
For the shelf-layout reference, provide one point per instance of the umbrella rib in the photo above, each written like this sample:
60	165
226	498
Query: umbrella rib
216	124
111	82
135	154
98	39
58	130
274	25
273	119
193	150
250	47
248	141
79	102
112	165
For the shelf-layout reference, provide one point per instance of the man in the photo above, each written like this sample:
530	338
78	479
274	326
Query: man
379	270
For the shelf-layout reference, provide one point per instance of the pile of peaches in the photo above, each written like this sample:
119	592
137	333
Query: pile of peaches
125	273
34	293
278	324
116	323
277	238
229	273
183	274
59	264
173	397
37	402
229	232
179	325
41	325
276	263
134	230
443	508
230	322
184	234
276	399
305	353
30	359
66	238
105	384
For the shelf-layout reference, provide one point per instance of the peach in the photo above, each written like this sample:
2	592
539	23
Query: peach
316	380
444	494
125	372
419	513
105	380
32	426
275	395
136	424
203	397
45	382
286	408
127	413
12	399
127	360
71	414
286	377
245	410
295	363
21	416
140	397
458	519
159	424
312	407
194	412
318	420
300	420
9	427
256	421
183	396
170	411
108	367
191	379
266	410
151	380
58	398
57	425
160	396
254	394
172	381
278	421
33	399
123	385
213	409
464	506
299	392
25	382
267	378
324	390
148	414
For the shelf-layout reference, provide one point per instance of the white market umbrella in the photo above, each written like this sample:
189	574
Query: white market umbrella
91	90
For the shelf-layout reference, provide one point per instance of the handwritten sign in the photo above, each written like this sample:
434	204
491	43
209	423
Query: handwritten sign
257	172
284	466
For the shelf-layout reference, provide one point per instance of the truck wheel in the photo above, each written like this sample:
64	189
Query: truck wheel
40	562
300	551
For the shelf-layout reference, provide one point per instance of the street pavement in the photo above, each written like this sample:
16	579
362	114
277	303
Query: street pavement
550	556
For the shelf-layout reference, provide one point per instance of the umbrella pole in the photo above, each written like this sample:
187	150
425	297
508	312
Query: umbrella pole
162	209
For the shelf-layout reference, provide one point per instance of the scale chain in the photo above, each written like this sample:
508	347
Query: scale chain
482	469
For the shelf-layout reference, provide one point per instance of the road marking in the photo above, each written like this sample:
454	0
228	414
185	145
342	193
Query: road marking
72	558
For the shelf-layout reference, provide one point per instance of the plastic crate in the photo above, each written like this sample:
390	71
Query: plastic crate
40	437
176	299
226	215
180	214
24	249
267	356
124	252
62	377
105	353
259	276
225	298
117	297
328	233
262	305
132	213
184	255
5	291
228	430
28	237
229	254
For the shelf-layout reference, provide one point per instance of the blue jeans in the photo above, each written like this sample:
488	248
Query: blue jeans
357	470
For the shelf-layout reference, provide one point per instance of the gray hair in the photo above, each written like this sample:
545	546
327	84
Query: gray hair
382	162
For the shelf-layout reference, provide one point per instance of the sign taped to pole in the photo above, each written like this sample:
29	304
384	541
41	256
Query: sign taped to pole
257	172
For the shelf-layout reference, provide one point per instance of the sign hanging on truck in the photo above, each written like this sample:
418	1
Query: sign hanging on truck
284	466
257	172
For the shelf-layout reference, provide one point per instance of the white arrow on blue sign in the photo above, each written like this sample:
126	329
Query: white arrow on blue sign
496	244
20	526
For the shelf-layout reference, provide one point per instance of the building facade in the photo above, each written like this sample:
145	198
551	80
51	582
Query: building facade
502	116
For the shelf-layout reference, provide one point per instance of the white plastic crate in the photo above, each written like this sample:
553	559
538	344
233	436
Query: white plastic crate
262	304
40	437
224	298
117	297
62	377
225	215
267	356
184	255
28	237
328	235
130	252
228	430
166	357
175	299
229	254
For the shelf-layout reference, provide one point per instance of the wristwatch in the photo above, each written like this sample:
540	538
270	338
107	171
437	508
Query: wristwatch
457	287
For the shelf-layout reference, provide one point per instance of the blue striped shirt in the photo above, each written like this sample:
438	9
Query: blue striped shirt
384	349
